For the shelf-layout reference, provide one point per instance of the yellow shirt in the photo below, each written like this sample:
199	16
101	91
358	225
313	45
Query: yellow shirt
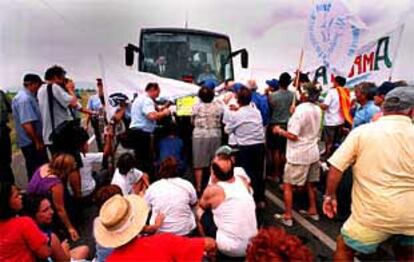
382	155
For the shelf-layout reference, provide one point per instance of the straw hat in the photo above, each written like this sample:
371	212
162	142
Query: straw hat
120	220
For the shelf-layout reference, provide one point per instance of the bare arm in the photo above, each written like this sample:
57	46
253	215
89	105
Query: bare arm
334	177
75	183
329	206
58	252
43	251
323	107
57	198
151	229
278	130
155	116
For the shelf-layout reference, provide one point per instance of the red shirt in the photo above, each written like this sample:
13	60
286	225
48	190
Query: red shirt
160	247
19	236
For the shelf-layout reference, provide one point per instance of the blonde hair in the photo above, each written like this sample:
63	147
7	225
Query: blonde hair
62	165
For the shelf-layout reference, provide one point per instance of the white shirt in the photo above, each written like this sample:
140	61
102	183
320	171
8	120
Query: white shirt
245	125
235	218
88	184
125	182
305	123
173	197
333	115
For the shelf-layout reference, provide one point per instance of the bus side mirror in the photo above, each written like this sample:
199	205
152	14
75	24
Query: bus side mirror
130	49
244	57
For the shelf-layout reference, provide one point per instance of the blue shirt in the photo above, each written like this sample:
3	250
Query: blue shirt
25	110
141	107
364	114
94	103
172	146
262	104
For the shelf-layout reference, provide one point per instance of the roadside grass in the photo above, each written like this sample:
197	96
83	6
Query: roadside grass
85	94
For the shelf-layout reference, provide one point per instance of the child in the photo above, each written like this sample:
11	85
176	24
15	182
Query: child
172	146
128	178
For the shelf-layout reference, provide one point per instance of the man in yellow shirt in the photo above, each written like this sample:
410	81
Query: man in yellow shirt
382	155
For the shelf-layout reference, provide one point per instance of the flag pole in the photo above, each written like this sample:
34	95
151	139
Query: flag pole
396	51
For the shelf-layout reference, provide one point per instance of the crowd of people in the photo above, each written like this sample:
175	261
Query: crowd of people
162	196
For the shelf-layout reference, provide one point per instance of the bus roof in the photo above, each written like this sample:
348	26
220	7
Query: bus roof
182	30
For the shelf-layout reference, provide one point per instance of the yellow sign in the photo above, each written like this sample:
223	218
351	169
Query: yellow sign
185	105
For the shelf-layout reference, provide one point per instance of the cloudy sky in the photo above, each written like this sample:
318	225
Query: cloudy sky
37	33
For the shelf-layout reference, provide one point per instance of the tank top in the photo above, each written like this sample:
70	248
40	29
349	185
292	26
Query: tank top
39	185
235	219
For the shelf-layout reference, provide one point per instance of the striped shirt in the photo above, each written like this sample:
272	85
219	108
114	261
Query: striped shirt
305	123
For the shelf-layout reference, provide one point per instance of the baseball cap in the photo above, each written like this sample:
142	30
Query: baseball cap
400	98
385	88
210	83
236	87
32	78
274	83
226	150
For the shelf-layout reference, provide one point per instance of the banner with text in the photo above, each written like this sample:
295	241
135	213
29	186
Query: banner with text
372	62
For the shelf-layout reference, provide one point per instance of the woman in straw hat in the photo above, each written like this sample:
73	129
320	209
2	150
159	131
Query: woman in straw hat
120	226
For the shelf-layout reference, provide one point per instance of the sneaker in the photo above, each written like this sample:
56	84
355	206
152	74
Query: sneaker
314	217
280	218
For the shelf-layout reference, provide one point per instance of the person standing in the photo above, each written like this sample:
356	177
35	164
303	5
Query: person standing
280	103
245	125
206	118
144	117
302	153
28	123
333	117
62	100
366	108
381	153
96	104
6	173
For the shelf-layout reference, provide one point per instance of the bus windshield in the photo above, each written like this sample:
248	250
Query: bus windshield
186	56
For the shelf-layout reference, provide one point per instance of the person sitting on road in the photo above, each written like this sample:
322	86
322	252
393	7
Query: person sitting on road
233	219
41	211
49	180
128	178
174	197
121	224
276	245
21	239
172	145
91	180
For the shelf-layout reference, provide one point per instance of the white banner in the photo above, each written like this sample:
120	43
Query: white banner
373	62
130	82
333	36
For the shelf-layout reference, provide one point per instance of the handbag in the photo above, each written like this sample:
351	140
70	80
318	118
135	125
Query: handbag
66	135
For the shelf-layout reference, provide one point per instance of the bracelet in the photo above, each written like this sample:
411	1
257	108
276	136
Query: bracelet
328	197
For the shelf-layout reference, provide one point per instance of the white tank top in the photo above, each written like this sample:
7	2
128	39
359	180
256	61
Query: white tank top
235	219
